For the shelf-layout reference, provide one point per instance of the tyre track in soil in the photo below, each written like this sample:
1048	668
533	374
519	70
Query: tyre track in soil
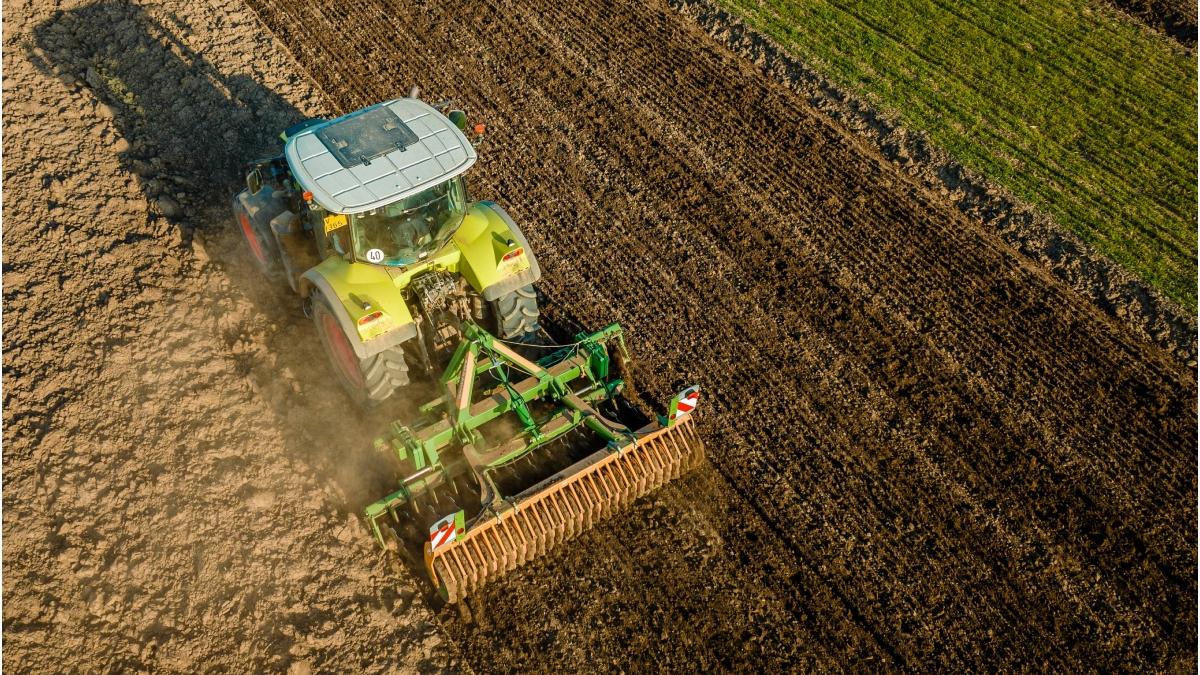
952	457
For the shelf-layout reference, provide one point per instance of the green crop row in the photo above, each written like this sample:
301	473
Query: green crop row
1083	113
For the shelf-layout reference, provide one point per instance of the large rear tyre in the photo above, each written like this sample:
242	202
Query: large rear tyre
516	313
262	246
367	380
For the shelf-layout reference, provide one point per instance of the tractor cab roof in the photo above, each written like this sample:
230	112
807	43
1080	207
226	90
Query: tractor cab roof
377	155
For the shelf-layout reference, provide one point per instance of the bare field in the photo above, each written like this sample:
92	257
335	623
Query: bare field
925	451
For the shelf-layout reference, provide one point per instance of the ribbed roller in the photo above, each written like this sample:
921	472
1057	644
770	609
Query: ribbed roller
583	495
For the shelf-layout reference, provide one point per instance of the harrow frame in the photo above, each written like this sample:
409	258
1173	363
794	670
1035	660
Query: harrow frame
446	442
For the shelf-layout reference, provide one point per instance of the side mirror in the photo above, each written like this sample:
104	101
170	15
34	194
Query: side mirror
459	118
254	181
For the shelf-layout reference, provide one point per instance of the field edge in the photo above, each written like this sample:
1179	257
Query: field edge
1117	292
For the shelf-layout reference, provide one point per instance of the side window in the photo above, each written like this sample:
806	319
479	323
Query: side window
340	240
458	191
332	232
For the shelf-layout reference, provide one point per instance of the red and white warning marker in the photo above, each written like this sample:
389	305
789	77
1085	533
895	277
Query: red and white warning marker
443	535
684	403
445	530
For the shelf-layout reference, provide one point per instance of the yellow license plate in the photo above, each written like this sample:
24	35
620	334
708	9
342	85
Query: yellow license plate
335	220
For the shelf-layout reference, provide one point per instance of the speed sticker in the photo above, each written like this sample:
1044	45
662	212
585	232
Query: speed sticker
375	255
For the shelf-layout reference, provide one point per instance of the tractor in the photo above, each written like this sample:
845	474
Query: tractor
367	218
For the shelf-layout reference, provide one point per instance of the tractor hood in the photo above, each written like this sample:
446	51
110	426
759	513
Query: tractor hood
372	157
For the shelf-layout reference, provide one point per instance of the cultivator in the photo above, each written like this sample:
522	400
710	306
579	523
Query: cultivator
519	455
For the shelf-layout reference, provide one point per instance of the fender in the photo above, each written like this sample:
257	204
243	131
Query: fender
480	242
334	274
260	208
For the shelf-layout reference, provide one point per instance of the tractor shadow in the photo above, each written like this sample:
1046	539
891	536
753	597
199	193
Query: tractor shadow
184	130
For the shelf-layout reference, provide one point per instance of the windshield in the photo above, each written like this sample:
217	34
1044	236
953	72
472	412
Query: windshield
410	229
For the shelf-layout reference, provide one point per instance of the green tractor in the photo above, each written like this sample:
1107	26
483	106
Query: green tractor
368	219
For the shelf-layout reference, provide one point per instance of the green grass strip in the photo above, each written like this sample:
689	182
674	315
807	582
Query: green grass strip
1083	113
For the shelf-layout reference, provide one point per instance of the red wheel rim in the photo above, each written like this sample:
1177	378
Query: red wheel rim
255	247
343	353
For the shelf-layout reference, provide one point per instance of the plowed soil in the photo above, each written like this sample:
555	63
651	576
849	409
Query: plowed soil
925	451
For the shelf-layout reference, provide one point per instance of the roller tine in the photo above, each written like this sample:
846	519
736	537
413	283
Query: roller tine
636	461
673	458
509	544
608	496
474	560
563	525
679	456
578	513
516	540
513	528
533	524
484	555
497	553
462	571
463	565
487	551
592	500
520	525
623	481
450	574
694	443
534	521
661	458
549	521
583	506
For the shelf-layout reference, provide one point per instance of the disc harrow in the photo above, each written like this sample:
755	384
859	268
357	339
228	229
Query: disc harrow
503	417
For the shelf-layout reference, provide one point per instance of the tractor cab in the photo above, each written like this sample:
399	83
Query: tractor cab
411	228
384	183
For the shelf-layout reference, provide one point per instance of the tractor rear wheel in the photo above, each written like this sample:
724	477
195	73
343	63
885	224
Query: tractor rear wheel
261	244
516	313
367	380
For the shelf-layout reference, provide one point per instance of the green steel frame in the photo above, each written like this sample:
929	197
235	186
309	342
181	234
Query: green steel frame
453	420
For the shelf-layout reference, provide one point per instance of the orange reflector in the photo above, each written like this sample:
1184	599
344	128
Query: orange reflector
307	196
370	317
513	254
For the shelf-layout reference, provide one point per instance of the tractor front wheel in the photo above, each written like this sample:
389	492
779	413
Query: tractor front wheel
367	380
261	244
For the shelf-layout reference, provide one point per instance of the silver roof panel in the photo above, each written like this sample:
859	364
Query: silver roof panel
439	153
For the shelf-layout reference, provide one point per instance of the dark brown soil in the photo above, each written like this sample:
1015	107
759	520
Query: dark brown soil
945	457
1176	18
927	452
